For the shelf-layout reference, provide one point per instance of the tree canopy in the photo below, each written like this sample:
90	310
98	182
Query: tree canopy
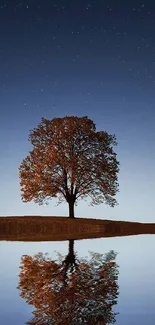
70	293
70	160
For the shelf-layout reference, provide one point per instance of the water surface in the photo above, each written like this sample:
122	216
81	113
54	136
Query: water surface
135	302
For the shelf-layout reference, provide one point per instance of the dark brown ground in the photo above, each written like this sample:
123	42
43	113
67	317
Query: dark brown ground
38	228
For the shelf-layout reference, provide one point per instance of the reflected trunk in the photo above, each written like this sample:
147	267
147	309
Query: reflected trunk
70	263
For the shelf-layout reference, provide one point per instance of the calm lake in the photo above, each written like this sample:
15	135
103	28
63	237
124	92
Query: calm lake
133	291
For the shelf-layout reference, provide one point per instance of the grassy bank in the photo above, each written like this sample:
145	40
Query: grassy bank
38	228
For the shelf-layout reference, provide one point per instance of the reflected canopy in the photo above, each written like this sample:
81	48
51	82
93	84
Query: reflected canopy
70	290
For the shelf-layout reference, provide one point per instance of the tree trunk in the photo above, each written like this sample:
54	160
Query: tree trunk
71	209
71	247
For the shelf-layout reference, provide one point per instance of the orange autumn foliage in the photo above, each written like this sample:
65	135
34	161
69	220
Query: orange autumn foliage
70	160
87	297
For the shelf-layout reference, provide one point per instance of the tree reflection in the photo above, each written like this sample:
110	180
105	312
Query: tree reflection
70	291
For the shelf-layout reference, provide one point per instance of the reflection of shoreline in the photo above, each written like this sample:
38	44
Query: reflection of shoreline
63	228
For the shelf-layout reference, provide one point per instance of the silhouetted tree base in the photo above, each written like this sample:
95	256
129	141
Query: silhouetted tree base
71	210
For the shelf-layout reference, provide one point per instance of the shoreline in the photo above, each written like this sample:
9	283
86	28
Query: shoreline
58	228
66	218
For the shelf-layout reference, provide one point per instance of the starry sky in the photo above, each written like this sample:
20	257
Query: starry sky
86	58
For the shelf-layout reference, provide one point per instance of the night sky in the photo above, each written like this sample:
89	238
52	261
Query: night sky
83	58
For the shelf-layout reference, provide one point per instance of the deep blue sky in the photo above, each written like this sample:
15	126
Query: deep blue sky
94	58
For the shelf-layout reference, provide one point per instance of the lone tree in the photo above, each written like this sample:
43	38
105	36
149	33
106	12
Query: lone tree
70	160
